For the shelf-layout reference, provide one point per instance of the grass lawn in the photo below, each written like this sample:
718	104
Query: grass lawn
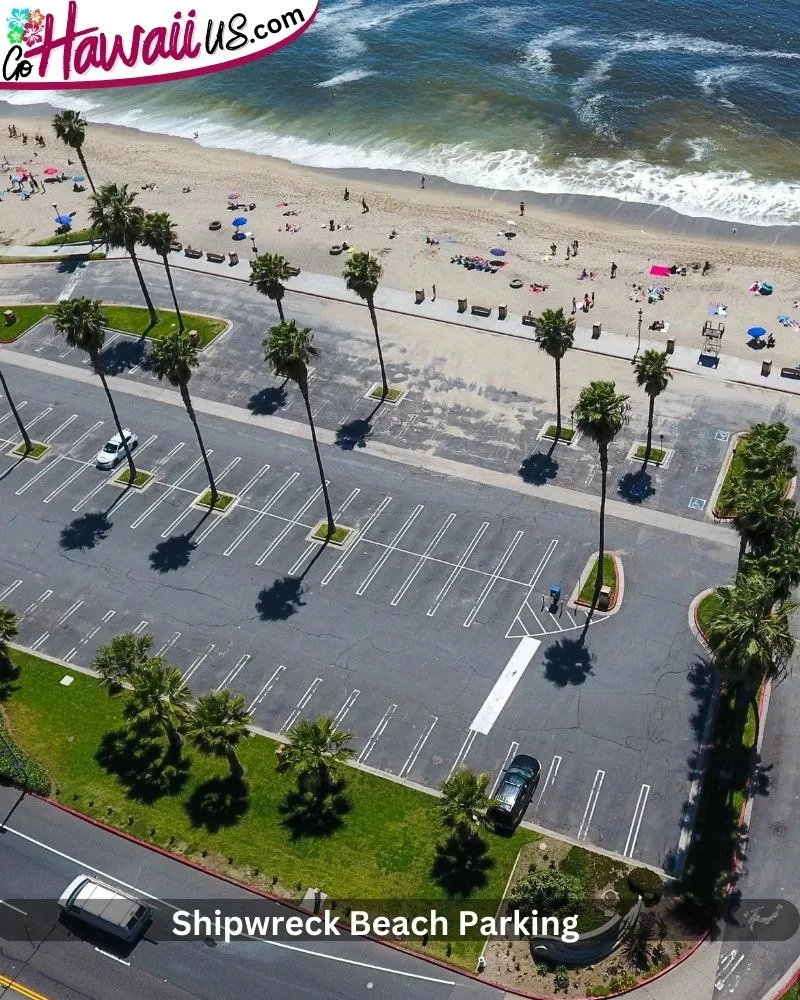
224	500
567	433
143	477
26	317
6	259
793	994
391	396
135	319
339	536
657	455
706	610
609	579
378	840
39	449
77	236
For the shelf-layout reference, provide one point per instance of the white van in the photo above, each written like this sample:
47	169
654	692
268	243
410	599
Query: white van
107	909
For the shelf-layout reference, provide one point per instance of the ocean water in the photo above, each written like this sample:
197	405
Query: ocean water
690	105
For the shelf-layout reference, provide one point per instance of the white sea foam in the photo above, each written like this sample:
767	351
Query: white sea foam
537	55
349	77
699	149
714	80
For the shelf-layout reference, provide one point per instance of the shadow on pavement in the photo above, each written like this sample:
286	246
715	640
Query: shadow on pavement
282	599
568	662
85	532
267	401
636	487
125	354
538	468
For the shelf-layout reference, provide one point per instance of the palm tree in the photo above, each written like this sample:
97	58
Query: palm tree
601	413
22	428
464	801
288	352
8	629
316	751
119	223
362	274
779	561
159	698
555	333
750	633
83	324
173	357
70	127
756	509
217	725
120	659
653	375
268	273
766	454
159	233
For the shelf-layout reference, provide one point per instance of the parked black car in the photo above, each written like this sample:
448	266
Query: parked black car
515	791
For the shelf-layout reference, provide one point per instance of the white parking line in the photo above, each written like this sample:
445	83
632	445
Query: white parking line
549	781
261	514
198	662
504	685
107	344
411	760
526	605
171	487
466	746
10	589
47	343
140	627
357	534
61	427
10	413
388	550
377	732
69	612
511	751
295	715
262	694
71	284
106	482
314	546
232	674
487	588
83	466
459	566
351	699
167	532
422	560
16	909
109	955
39	416
242	493
35	604
40	641
60	458
636	822
90	635
168	644
288	527
588	812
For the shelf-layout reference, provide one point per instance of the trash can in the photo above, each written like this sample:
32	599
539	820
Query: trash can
670	345
462	305
419	296
502	311
234	258
11	317
604	600
596	327
766	368
194	337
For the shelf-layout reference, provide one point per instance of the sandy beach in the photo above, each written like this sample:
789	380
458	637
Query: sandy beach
294	207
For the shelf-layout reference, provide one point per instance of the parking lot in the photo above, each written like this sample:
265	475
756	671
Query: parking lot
407	636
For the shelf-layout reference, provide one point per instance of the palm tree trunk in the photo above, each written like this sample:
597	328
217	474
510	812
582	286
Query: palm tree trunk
82	158
145	292
649	444
328	511
22	429
279	304
558	398
601	549
374	318
237	771
742	552
98	367
178	313
174	737
187	402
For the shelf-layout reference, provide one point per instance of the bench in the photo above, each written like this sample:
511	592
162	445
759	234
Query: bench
481	311
529	321
176	246
194	254
292	271
790	372
215	258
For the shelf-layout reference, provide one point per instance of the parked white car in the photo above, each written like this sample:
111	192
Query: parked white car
113	450
107	909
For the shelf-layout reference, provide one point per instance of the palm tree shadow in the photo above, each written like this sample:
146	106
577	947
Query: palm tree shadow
461	864
141	763
265	402
218	803
125	354
11	468
538	468
284	596
307	814
9	675
568	662
175	552
354	433
86	531
636	487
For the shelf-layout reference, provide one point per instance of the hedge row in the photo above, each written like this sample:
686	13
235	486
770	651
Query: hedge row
12	758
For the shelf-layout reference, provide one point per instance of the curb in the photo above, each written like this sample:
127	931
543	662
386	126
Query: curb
619	587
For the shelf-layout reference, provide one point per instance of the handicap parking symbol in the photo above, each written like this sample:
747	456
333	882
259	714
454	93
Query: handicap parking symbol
722	436
697	503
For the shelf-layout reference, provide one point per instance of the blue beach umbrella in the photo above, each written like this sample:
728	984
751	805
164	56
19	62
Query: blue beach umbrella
756	331
64	220
498	252
79	179
239	221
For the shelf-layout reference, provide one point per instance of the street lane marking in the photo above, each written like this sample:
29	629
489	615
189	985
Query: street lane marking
10	589
487	588
377	732
509	756
70	611
138	891
171	487
40	641
242	493
261	514
591	802
411	760
314	546
234	672
526	605
389	549
421	561
71	284
295	715
466	746
168	644
109	955
10	906
351	699
459	566
262	694
192	670
167	532
288	526
11	984
636	822
504	685
357	535
59	458
106	482
549	781
35	604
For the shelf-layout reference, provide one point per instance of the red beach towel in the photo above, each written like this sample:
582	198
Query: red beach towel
660	270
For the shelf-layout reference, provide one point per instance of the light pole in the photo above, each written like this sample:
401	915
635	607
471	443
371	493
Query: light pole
638	336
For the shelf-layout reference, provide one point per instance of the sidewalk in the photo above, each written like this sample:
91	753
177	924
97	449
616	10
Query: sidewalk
608	344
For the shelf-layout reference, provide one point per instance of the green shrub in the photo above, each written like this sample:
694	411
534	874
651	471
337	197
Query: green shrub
17	768
646	884
598	991
549	892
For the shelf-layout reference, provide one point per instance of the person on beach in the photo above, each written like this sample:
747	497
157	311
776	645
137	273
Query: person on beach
346	195
574	248
568	254
586	303
433	299
553	249
706	268
613	269
592	300
522	208
574	305
364	206
422	184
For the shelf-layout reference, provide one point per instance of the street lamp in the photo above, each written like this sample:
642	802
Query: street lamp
639	335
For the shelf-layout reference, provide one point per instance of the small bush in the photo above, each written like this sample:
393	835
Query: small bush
646	884
598	991
17	768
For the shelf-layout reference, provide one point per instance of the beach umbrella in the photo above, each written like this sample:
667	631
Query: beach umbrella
510	222
19	178
64	220
498	252
234	196
52	171
79	179
239	221
756	331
